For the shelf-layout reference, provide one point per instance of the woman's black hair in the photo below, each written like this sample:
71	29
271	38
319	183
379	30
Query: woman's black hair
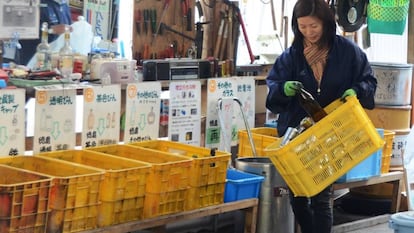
319	9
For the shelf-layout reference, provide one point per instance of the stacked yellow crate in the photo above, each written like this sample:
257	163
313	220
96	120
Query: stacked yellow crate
208	171
167	181
261	136
122	192
74	194
24	198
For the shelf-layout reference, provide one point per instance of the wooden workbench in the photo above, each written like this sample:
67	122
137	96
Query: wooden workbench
249	206
395	178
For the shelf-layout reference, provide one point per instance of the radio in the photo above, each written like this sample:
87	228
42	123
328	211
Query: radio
175	69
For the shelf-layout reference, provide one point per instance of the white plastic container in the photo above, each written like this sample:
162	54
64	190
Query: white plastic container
402	222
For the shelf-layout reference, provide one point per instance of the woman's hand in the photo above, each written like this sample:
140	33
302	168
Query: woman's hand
291	88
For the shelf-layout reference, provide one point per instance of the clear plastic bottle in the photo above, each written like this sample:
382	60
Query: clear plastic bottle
66	56
43	52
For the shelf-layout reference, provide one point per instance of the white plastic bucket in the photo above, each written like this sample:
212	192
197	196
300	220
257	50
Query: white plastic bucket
398	147
394	83
402	222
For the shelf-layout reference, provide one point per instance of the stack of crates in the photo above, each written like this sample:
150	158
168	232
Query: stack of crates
261	136
122	192
168	179
208	171
74	194
387	151
24	198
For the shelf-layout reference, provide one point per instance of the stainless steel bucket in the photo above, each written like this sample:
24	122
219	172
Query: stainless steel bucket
394	83
275	213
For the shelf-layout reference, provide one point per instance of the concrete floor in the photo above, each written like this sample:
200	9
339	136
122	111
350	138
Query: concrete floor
377	224
380	228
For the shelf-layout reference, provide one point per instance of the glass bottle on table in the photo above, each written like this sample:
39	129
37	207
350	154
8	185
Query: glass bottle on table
43	52
66	56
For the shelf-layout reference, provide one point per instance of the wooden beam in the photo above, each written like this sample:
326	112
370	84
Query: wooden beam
248	205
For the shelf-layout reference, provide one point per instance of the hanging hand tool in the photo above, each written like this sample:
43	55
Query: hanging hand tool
224	41
230	40
189	20
219	37
146	53
164	10
163	26
187	14
240	19
153	19
146	20
272	10
138	19
282	24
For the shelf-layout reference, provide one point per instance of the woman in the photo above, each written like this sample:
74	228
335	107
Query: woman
327	65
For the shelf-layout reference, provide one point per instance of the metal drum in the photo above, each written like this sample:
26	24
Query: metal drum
275	213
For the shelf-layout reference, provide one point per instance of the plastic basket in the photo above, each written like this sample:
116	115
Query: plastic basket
168	172
157	204
115	212
327	150
72	219
23	200
73	186
241	185
262	137
387	150
203	196
369	167
387	16
123	179
207	168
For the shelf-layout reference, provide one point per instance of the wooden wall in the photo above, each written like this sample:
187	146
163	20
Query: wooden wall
218	41
150	44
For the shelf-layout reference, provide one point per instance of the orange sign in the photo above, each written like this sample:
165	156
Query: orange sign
132	91
89	95
41	97
212	86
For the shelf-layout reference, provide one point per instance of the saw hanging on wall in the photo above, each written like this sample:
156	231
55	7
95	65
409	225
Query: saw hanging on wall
350	14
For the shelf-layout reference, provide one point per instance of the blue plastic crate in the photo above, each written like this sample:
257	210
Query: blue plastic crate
369	167
241	185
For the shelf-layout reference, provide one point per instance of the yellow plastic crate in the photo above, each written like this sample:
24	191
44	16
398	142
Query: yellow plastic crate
387	150
327	150
72	219
157	204
74	188
124	178
168	172
262	137
203	196
115	212
24	199
206	169
73	185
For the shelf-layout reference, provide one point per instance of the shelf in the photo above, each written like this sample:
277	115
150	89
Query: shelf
249	206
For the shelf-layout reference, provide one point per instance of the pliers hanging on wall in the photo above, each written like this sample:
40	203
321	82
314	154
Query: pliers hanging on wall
187	14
